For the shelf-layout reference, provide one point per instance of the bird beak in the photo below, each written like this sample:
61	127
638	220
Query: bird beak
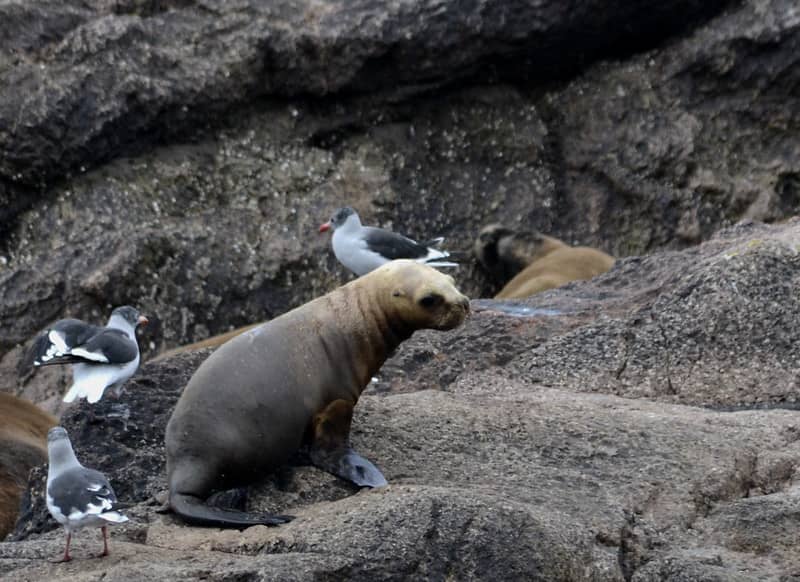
143	320
325	227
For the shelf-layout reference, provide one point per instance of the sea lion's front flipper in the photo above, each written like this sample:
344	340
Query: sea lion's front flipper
330	449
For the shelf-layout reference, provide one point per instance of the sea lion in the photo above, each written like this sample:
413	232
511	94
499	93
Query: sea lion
295	380
209	342
534	261
504	252
23	446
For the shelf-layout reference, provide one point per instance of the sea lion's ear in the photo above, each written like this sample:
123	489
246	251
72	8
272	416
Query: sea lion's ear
397	293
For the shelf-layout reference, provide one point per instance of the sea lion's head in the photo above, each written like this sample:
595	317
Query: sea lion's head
504	252
420	296
524	247
485	245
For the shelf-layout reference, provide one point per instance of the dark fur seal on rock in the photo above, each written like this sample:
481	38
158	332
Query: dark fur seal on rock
535	262
23	445
295	380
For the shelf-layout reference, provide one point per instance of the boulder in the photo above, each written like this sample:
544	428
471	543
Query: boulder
640	426
83	81
497	473
211	225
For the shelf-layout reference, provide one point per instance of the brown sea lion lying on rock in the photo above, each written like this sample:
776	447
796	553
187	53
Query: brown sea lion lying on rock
535	262
23	446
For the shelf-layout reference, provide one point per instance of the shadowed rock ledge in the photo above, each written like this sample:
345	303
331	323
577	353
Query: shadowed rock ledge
91	78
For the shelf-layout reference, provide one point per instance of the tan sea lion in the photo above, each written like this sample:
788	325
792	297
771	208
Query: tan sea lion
535	262
23	446
295	380
504	252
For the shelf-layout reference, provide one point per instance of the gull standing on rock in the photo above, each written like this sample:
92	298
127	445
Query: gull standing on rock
77	497
365	248
100	356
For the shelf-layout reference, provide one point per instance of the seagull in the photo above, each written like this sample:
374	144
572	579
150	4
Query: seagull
100	356
76	496
365	248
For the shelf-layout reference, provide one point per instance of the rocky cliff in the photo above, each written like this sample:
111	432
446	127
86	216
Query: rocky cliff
593	432
640	426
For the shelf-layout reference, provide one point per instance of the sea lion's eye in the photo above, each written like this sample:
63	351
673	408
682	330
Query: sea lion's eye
431	300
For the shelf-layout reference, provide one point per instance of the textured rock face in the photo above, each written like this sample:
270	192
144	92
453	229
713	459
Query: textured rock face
721	336
677	150
178	156
91	78
505	473
209	222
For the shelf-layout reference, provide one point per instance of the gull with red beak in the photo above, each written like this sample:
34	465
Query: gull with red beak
365	248
77	497
101	357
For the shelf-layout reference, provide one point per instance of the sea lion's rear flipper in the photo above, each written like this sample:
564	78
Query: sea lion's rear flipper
229	499
196	512
330	449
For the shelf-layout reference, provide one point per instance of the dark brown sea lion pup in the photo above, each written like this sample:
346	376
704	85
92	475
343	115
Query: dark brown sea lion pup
534	261
23	445
295	380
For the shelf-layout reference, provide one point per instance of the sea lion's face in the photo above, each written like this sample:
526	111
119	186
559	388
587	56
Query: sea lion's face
422	296
485	246
522	248
504	252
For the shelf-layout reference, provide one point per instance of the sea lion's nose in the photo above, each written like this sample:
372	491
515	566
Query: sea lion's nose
465	303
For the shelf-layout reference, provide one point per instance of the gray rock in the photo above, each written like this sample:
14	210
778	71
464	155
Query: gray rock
92	79
216	228
720	335
668	146
710	326
179	155
496	474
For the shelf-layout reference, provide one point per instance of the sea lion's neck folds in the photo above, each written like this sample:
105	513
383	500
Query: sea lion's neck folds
373	335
